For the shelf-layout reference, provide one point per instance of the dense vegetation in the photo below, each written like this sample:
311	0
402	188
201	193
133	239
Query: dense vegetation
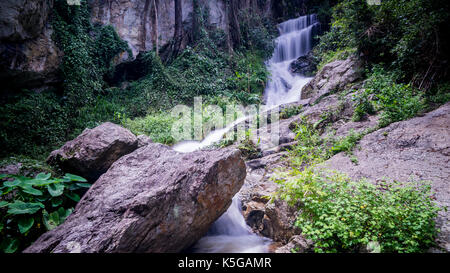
33	123
404	46
341	215
32	205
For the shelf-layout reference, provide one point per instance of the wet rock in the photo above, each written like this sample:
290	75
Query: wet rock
152	200
304	65
418	149
94	151
333	77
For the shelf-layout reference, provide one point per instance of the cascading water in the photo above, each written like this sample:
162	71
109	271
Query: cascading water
230	233
295	40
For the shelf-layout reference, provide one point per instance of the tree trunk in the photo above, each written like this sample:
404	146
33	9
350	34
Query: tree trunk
143	32
154	12
235	31
195	21
178	34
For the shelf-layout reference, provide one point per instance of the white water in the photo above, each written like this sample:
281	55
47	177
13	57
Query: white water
230	233
294	41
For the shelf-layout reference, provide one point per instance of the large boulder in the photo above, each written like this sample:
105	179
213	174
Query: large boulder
152	200
94	151
418	149
333	77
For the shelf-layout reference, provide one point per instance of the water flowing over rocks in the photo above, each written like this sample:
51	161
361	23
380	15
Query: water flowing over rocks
152	200
95	150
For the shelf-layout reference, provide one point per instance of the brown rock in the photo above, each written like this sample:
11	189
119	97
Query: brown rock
94	151
152	200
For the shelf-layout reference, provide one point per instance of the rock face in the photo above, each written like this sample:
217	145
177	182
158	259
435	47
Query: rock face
333	77
414	149
132	19
152	200
94	151
303	65
29	58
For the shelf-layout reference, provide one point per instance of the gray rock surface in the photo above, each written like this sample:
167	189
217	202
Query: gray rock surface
143	140
94	151
418	149
152	200
333	77
29	56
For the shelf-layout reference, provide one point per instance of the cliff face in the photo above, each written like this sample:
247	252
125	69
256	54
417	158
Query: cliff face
29	57
132	19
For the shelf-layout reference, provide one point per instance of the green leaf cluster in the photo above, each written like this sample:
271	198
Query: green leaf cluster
341	215
29	206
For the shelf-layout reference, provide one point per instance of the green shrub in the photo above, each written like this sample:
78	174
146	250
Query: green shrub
396	101
363	105
310	147
157	126
290	111
33	123
31	206
341	215
347	143
249	149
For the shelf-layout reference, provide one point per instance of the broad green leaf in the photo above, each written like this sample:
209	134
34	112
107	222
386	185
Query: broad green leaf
19	207
31	190
55	189
25	223
75	197
3	204
14	183
84	185
73	177
10	245
40	182
51	220
43	176
64	213
56	202
3	176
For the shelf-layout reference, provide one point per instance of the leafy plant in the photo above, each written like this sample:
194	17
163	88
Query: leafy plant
30	206
341	215
249	149
290	111
396	101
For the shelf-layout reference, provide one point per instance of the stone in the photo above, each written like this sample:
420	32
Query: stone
29	57
333	77
152	200
304	65
143	140
297	244
94	151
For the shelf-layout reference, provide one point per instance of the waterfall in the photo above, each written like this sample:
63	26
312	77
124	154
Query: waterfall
295	40
230	233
